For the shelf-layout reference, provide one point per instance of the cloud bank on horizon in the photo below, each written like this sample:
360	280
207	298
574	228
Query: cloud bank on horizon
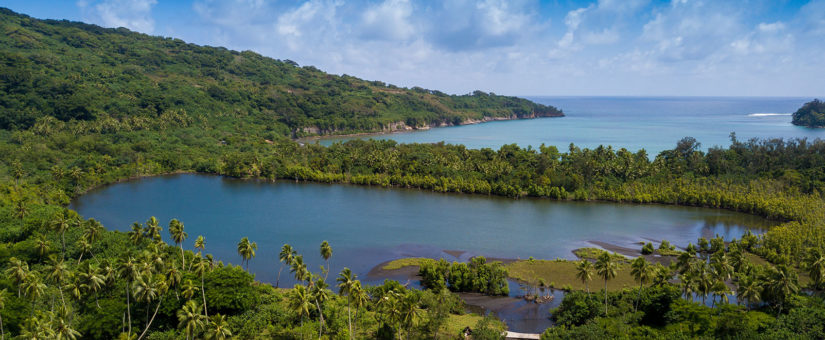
518	47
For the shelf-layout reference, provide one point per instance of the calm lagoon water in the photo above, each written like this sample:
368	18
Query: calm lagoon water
367	226
650	123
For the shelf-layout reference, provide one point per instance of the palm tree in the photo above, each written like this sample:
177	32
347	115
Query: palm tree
91	280
606	268
33	287
748	289
2	306
17	171
147	290
58	273
42	245
300	303
815	264
153	229
640	269
346	281
61	223
200	243
360	298
173	277
247	250
18	270
64	330
36	328
783	284
326	253
190	318
285	257
130	270
136	235
703	280
584	272
188	289
298	268
21	209
720	289
661	275
178	235
85	247
218	328
93	230
408	311
320	294
202	266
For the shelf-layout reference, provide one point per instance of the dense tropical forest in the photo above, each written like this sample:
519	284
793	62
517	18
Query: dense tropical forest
116	79
85	106
812	114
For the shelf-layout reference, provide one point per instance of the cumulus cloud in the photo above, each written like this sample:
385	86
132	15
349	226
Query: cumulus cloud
389	20
517	46
133	14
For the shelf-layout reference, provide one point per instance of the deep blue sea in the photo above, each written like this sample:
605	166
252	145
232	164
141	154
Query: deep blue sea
650	123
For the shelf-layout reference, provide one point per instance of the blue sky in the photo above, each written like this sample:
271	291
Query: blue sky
517	47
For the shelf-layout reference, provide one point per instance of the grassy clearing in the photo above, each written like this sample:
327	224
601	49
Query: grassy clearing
456	323
560	273
594	253
405	262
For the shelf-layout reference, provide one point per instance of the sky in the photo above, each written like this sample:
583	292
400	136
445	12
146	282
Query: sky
516	47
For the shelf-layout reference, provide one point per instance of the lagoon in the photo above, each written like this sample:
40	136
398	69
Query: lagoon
367	226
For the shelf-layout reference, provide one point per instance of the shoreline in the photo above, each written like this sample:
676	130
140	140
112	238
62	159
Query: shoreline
401	127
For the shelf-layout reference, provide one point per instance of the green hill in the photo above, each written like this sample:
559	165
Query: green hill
76	71
812	114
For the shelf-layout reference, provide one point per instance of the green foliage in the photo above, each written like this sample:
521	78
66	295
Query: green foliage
488	329
576	309
476	276
229	290
109	80
812	114
647	249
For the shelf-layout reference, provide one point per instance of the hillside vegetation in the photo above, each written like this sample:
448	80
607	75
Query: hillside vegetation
812	114
123	80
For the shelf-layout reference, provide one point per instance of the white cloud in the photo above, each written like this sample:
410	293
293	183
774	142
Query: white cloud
690	47
132	14
388	20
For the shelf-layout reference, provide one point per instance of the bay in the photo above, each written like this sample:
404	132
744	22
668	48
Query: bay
634	123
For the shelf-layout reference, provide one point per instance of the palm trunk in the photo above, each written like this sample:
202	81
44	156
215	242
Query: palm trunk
605	297
636	308
355	328
128	311
203	294
80	258
320	325
278	281
349	317
182	257
63	239
60	289
152	319
2	333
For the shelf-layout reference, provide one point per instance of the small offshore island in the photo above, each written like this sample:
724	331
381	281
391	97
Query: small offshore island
82	107
812	115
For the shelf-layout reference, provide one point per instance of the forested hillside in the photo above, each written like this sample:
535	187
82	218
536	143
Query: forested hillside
122	80
812	114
